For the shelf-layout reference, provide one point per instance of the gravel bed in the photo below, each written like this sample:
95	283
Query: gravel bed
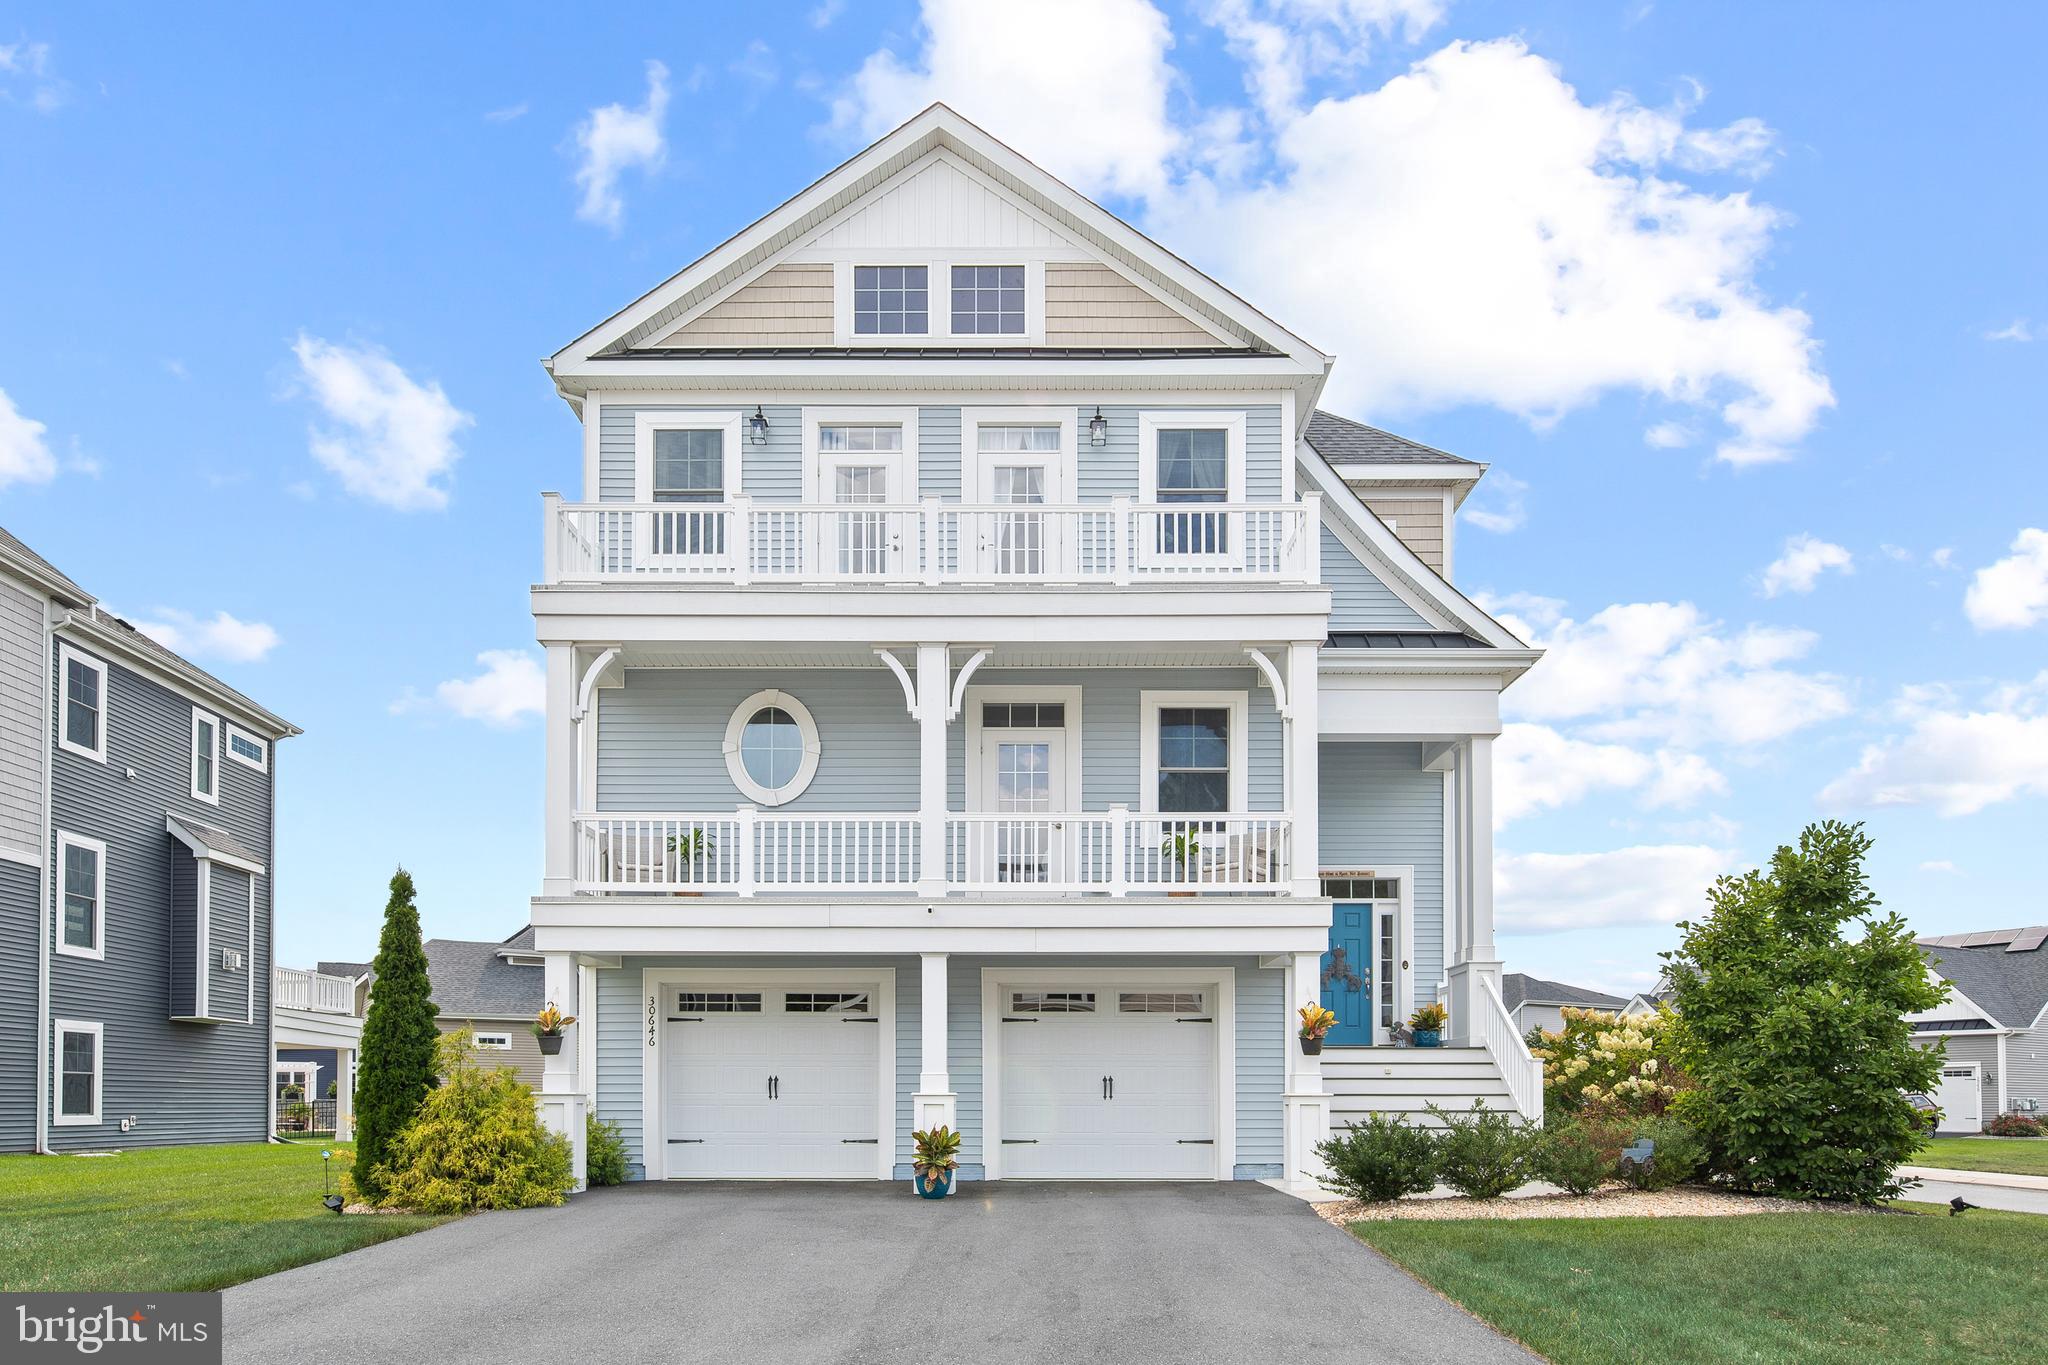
1611	1203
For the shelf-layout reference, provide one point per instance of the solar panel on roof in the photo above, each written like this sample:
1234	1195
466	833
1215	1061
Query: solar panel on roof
2028	940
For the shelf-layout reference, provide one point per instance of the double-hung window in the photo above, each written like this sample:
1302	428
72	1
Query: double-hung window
81	896
689	467
1193	468
205	757
892	300
82	728
1194	759
79	1066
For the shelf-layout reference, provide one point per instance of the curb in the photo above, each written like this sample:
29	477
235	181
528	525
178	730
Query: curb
1999	1178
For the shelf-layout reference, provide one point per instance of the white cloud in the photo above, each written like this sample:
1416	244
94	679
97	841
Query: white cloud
506	114
1942	866
24	455
1646	884
1943	558
1079	86
1956	759
1537	768
2012	594
510	688
1805	559
1500	507
756	66
27	76
826	12
615	139
1668	436
2016	330
1282	43
393	438
220	636
1664	671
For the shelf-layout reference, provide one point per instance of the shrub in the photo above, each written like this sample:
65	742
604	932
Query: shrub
477	1143
2014	1125
604	1152
1580	1155
1486	1152
1380	1159
399	1039
1676	1156
1602	1063
1794	1034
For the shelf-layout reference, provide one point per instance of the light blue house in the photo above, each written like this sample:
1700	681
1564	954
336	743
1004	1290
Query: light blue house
983	689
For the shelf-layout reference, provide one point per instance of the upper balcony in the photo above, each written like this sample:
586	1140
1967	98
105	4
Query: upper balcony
933	543
316	992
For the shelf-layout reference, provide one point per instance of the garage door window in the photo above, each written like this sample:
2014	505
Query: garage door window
1052	1002
1159	1002
720	1002
825	1002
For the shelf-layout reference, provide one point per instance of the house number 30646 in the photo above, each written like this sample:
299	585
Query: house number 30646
650	1021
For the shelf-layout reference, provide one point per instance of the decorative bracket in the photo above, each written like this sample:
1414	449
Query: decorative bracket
1281	703
590	677
960	683
902	676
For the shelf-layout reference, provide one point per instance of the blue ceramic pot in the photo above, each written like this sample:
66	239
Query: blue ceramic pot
939	1191
1429	1037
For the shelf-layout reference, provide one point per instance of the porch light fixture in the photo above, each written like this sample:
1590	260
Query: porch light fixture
757	426
1098	428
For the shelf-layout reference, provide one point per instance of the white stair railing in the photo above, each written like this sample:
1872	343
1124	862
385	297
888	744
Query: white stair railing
1495	1029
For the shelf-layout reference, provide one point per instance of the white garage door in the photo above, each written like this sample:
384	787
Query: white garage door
1107	1083
770	1082
1961	1099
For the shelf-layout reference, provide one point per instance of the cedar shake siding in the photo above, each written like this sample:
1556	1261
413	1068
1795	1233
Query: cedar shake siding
1419	522
788	305
1093	305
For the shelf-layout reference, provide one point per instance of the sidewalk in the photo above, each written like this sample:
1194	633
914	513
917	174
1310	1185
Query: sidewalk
2011	1182
1986	1189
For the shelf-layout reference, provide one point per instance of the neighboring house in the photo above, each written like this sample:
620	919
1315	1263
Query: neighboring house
981	692
1995	1023
1645	1002
1535	1003
136	800
317	1030
493	990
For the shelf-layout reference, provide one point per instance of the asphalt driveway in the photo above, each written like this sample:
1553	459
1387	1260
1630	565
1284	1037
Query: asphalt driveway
776	1272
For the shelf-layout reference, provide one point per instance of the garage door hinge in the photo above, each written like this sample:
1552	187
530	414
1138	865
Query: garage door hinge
1205	1019
1008	1020
1020	1142
675	1142
857	1142
858	1019
1198	1142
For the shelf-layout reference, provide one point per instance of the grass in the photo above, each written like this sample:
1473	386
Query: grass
1816	1287
2014	1156
173	1218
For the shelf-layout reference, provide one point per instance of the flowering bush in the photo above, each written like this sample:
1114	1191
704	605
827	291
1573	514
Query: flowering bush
1604	1064
2014	1125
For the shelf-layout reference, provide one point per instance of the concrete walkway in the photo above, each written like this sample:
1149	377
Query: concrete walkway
854	1273
1985	1189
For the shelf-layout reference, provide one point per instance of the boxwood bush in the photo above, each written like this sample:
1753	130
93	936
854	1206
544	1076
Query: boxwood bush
1486	1152
1380	1159
604	1153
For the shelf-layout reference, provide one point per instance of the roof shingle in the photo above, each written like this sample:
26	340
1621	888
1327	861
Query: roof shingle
1343	441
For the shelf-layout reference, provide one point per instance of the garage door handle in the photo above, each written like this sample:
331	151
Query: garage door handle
1204	1019
860	1142
1009	1020
674	1020
1197	1142
1020	1142
859	1019
683	1142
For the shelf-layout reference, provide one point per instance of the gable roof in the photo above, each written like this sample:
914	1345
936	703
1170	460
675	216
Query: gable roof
470	980
1518	988
2003	972
1342	440
16	555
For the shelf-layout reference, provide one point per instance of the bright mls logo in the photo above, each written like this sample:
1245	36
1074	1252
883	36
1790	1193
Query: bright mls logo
172	1329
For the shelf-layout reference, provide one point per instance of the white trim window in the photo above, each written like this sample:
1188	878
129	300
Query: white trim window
987	300
772	748
248	750
80	1066
494	1042
891	300
205	757
81	896
1193	752
686	457
82	724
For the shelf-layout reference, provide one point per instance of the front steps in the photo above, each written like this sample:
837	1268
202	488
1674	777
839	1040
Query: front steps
1406	1080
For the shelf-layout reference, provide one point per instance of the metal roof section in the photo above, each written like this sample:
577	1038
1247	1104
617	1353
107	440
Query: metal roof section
1403	639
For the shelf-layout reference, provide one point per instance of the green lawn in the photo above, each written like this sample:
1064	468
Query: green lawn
1761	1287
2014	1156
172	1218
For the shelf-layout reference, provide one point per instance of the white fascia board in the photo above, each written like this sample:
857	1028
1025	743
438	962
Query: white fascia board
1397	480
1412	580
1419	708
44	582
314	1028
984	937
1077	371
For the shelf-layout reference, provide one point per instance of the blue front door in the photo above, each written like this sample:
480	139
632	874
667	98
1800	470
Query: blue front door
1347	975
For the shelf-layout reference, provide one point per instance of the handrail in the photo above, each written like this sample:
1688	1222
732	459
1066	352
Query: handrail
320	992
1519	1069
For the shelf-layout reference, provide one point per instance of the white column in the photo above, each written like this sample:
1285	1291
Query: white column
1304	771
344	1093
934	1103
1473	810
561	1100
933	678
558	841
1307	1107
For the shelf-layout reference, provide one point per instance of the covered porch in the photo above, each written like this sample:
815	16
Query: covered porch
316	1037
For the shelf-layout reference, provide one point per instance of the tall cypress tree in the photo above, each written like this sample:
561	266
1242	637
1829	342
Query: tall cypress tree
397	1066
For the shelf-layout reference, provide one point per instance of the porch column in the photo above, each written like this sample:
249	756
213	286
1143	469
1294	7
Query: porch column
344	1093
1304	771
933	669
934	1103
561	1100
1473	835
558	836
1307	1106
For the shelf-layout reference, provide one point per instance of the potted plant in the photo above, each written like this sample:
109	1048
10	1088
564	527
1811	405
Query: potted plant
548	1026
1183	847
291	1092
1315	1022
934	1164
690	847
1426	1025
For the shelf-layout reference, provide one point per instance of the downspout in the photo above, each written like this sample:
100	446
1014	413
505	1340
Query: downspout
2001	1070
270	975
45	904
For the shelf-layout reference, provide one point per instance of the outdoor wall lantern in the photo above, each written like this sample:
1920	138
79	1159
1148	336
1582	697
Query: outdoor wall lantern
1098	428
757	426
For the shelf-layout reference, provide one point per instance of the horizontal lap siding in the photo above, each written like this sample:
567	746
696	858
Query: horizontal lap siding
772	472
1358	599
523	1057
2026	1068
21	729
20	888
228	932
1380	807
661	739
182	1082
1984	1052
938	453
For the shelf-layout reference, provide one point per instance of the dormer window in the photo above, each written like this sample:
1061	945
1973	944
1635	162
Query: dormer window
891	300
988	300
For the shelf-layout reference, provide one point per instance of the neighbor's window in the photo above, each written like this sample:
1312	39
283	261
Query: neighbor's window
78	1072
988	300
496	1042
205	756
81	871
85	694
891	300
247	749
1194	758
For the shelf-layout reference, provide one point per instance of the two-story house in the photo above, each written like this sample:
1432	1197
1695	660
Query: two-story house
135	881
980	691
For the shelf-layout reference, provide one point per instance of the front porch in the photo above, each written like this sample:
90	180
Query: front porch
316	1036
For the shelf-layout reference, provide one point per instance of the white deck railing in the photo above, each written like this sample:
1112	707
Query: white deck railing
932	542
1115	852
1494	1028
292	989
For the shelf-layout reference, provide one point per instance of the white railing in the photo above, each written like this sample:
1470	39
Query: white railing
292	989
1115	852
1494	1029
932	542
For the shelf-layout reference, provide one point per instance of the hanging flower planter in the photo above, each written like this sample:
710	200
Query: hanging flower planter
548	1026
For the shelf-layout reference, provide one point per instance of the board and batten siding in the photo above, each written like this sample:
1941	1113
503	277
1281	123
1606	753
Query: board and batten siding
21	727
20	889
661	739
785	305
1380	807
1359	600
181	1082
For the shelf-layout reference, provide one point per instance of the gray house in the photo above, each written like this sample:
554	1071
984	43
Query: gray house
493	990
1995	1022
136	800
1535	1003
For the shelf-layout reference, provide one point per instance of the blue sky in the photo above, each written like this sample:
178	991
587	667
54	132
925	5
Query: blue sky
1696	281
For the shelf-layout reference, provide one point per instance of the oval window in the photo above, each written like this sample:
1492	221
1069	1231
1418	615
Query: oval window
771	747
